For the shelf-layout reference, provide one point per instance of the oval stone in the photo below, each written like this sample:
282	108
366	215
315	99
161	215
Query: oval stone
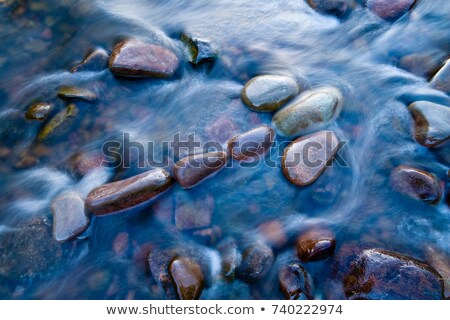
125	194
72	93
389	9
295	282
187	277
432	123
137	59
311	111
315	245
441	80
267	93
39	111
306	158
191	170
417	184
336	7
69	217
251	144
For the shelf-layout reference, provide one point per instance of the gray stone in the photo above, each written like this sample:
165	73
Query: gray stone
441	80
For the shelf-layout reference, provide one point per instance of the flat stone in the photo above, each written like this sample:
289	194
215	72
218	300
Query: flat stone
59	122
306	158
313	110
269	92
432	123
39	111
191	170
74	93
97	60
125	194
417	184
389	9
295	282
335	7
315	245
69	217
256	261
382	275
252	144
200	50
193	213
187	277
136	59
441	80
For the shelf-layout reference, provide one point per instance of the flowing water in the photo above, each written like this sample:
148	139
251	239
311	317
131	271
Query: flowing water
360	54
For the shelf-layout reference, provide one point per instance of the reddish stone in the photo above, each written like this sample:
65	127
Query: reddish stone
187	278
315	245
251	144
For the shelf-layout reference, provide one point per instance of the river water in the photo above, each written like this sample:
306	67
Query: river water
362	55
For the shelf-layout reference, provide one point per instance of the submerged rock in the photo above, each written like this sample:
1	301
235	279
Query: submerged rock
315	245
336	7
69	217
60	121
441	80
269	92
191	170
193	213
97	60
311	111
72	93
378	274
82	163
230	255
306	158
159	262
39	111
200	50
187	277
208	236
256	261
295	282
389	9
125	194
252	144
432	123
132	58
417	184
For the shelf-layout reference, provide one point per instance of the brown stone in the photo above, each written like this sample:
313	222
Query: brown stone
315	245
59	123
306	158
121	195
389	9
191	170
295	282
252	144
97	60
417	184
230	257
74	93
39	111
187	278
136	59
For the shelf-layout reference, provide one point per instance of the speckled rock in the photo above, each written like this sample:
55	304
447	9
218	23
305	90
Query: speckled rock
159	262
200	50
378	274
187	278
256	261
432	123
193	213
295	282
252	144
97	60
389	9
269	92
39	111
441	80
307	157
417	184
59	122
132	58
69	217
191	170
74	93
313	110
336	7
316	244
125	194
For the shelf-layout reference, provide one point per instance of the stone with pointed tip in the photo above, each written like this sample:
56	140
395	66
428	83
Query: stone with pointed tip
295	282
187	277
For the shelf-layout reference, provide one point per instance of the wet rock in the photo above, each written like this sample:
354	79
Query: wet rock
200	50
441	263
125	194
187	278
193	213
58	123
441	80
389	9
256	261
417	184
306	158
74	93
208	236
379	274
191	170
230	255
82	163
268	93
251	144
311	111
315	245
432	123
295	282
136	59
335	7
69	217
39	111
96	60
159	262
